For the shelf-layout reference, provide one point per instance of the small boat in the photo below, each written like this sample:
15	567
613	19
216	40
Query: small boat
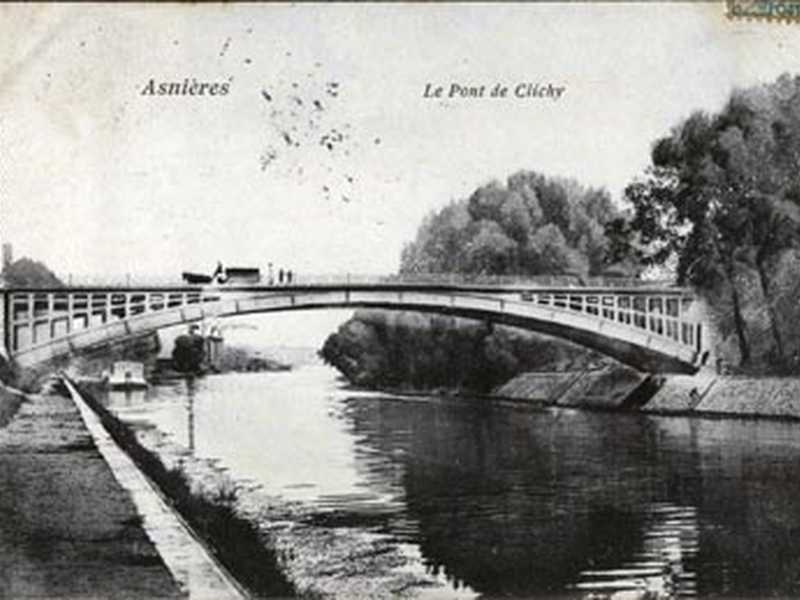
126	375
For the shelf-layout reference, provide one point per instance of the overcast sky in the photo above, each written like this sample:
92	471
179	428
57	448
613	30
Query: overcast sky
96	177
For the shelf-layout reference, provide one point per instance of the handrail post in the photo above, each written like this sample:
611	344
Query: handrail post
126	310
70	310
50	321
31	317
5	323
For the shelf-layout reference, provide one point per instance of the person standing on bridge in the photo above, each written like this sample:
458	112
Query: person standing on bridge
219	273
289	277
270	276
280	276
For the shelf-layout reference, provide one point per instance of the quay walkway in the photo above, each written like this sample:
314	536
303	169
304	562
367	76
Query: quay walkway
67	528
79	520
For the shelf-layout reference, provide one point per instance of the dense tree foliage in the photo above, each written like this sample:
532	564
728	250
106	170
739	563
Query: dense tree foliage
246	358
413	351
719	206
532	225
29	273
188	353
722	198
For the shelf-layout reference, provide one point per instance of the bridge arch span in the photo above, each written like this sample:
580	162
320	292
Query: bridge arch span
620	325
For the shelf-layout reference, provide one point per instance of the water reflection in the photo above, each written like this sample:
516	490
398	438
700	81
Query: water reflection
662	566
171	403
190	393
126	398
523	502
508	500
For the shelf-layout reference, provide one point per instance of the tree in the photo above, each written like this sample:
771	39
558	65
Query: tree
439	242
532	225
722	195
490	251
772	229
188	353
26	272
549	252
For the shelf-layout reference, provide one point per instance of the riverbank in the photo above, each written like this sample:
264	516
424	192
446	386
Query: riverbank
367	496
67	528
703	394
620	388
212	514
604	388
289	451
707	394
10	402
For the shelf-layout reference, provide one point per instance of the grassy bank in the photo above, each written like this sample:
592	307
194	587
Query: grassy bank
235	541
10	401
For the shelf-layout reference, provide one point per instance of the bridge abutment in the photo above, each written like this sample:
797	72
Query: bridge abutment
710	339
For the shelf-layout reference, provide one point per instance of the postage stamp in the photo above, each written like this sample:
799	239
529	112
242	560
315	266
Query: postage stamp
774	10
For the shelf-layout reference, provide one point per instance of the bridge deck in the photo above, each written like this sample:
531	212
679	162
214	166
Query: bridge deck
40	324
463	287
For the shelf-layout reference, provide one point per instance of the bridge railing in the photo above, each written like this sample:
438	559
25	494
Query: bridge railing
479	280
37	317
34	317
660	315
433	279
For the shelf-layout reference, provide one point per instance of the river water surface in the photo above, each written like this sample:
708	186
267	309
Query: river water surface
371	494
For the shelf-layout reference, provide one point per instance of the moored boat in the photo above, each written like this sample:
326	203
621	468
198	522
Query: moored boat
126	375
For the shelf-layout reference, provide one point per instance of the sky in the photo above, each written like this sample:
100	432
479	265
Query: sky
98	179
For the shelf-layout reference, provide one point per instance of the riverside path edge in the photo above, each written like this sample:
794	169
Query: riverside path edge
189	561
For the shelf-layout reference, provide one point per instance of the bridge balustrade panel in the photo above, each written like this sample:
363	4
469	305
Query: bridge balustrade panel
659	315
35	318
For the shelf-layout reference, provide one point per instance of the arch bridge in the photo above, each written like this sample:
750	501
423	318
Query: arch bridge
656	329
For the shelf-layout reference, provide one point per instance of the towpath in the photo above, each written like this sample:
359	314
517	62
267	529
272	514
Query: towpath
67	528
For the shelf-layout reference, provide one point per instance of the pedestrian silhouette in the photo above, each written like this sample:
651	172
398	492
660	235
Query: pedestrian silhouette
219	273
280	276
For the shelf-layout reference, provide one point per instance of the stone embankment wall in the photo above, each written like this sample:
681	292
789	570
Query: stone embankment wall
704	393
605	388
539	387
731	395
681	393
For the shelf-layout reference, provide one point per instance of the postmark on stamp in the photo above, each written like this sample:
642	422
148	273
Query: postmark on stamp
771	10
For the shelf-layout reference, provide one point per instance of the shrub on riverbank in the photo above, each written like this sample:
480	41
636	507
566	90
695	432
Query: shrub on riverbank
381	349
246	358
10	401
236	542
528	225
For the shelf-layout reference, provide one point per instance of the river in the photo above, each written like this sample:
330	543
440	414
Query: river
375	495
